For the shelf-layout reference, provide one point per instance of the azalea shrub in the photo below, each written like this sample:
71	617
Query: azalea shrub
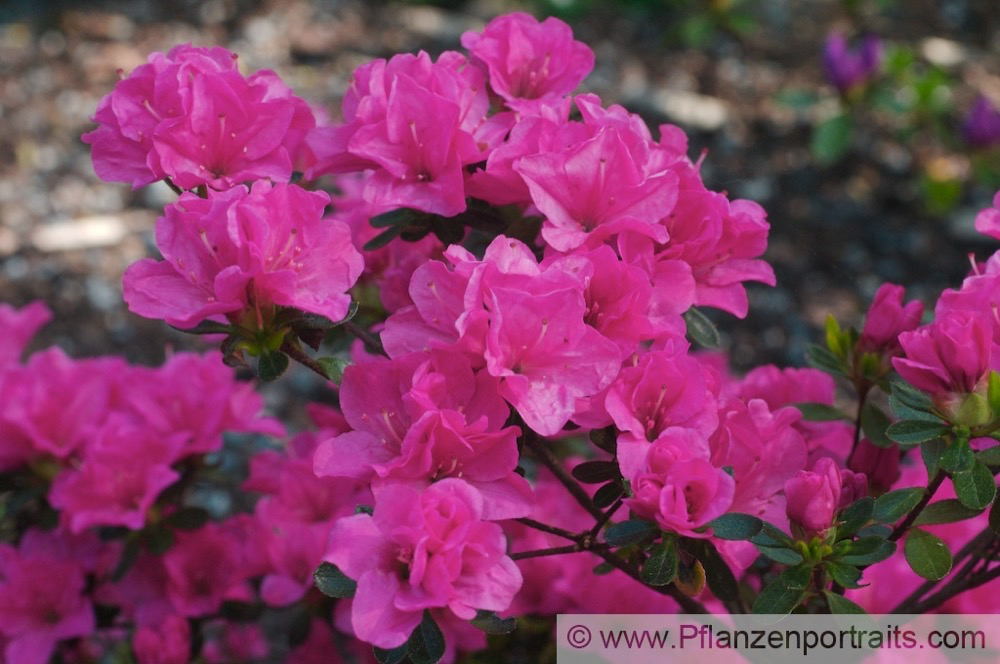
500	286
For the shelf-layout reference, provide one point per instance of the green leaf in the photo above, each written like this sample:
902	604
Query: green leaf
945	511
914	432
821	358
426	644
602	569
735	526
832	139
874	422
332	582
931	453
958	458
661	566
990	456
820	412
596	472
927	555
701	329
893	506
187	518
781	554
629	532
771	535
606	439
491	623
384	238
271	365
875	530
798	577
905	412
778	598
398	217
847	576
608	494
855	516
394	656
207	327
840	604
883	551
976	488
159	540
720	578
835	337
911	397
334	367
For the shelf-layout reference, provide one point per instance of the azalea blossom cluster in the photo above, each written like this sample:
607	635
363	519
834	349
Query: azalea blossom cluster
522	272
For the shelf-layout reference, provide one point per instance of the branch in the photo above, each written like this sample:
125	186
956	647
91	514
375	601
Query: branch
546	528
605	517
545	455
557	550
371	341
689	604
901	529
297	354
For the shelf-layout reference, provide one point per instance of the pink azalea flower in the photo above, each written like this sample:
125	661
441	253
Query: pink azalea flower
678	487
204	568
191	116
887	318
425	417
422	550
950	355
814	496
19	327
412	121
879	464
660	391
42	601
529	62
243	252
988	220
123	470
595	190
170	644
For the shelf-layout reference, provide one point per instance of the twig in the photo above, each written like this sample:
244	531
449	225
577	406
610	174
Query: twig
901	529
546	528
371	341
557	550
689	604
296	353
545	455
604	518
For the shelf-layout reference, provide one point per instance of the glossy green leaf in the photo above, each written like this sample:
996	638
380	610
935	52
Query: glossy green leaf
927	555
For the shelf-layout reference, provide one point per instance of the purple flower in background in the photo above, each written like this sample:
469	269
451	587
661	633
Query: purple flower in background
981	128
847	68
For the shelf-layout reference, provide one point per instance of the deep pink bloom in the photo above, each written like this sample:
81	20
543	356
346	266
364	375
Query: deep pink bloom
421	550
428	416
529	61
19	326
813	497
206	567
678	487
879	464
124	468
170	644
988	220
848	68
414	122
887	318
240	252
42	601
952	354
661	390
595	190
191	116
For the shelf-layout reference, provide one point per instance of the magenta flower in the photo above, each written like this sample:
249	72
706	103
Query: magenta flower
206	567
595	190
952	354
422	550
192	117
243	252
678	487
887	318
988	220
529	62
170	644
848	68
415	123
981	127
123	470
42	601
880	465
19	327
813	497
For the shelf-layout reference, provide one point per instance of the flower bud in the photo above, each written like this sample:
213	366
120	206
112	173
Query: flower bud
813	496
